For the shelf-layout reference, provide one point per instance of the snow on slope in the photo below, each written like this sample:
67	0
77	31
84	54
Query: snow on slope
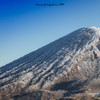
76	56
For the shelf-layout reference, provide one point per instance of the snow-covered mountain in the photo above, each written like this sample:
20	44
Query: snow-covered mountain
75	56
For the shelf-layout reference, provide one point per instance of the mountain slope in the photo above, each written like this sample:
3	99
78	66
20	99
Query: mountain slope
75	56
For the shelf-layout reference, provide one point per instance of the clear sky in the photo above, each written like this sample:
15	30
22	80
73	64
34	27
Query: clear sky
25	27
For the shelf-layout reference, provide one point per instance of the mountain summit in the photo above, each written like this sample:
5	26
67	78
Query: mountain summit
74	58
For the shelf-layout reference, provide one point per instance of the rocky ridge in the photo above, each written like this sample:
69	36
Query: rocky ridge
74	57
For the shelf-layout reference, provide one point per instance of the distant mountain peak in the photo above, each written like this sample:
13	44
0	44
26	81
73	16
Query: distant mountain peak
92	27
75	56
97	29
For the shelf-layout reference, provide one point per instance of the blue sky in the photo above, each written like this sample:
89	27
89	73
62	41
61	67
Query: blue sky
25	27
